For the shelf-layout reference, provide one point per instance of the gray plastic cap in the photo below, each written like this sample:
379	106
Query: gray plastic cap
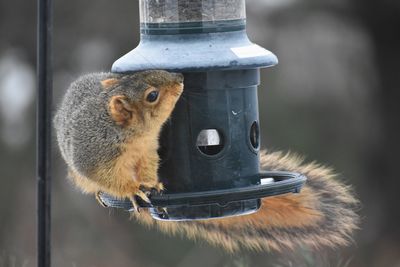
196	52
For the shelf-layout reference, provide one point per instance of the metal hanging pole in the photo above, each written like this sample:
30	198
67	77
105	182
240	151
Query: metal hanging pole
43	120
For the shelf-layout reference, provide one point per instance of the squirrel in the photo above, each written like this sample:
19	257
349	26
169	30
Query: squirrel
107	128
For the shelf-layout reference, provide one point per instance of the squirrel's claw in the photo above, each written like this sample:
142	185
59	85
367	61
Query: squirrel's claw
159	187
144	195
149	190
135	205
97	195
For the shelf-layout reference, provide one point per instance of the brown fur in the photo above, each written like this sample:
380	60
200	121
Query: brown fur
138	162
109	83
120	110
137	165
321	215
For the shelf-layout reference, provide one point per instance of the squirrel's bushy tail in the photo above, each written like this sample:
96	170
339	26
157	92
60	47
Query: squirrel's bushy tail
323	214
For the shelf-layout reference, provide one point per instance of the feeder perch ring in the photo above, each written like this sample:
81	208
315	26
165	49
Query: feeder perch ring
281	183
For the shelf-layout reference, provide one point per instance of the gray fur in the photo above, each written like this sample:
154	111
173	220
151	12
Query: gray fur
86	134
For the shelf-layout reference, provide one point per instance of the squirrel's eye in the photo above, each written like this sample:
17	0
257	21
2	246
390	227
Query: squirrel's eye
152	96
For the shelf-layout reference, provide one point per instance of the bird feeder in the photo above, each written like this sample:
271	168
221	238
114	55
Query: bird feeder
210	146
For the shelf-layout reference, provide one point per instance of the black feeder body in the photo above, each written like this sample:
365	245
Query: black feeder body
209	148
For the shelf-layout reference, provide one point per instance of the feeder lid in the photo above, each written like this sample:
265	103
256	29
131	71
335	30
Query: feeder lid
195	52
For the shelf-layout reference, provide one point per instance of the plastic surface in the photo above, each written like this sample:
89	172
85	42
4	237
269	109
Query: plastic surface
175	38
206	212
215	203
283	182
230	50
209	149
167	11
223	101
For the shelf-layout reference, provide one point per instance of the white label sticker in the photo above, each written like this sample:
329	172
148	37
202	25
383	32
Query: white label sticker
250	51
267	181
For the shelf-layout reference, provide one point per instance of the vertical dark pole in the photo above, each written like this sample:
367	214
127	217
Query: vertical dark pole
44	100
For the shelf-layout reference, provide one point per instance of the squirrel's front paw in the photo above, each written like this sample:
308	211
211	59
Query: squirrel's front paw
151	189
144	192
135	205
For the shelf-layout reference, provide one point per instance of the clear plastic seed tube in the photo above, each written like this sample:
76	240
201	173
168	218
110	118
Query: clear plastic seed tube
180	11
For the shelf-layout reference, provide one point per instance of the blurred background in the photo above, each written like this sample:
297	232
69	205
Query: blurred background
334	97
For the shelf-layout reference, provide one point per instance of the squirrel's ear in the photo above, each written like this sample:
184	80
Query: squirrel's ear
109	82
120	109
